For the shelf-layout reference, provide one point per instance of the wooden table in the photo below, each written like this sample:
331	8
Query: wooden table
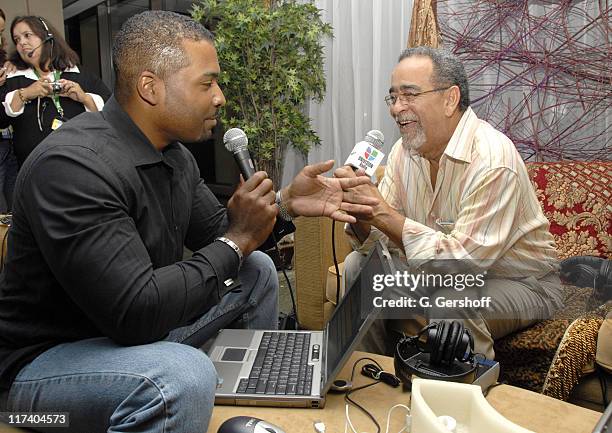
531	410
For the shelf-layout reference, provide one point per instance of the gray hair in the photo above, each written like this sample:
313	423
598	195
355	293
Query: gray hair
447	70
152	41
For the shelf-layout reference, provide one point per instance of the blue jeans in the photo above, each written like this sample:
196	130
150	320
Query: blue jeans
167	386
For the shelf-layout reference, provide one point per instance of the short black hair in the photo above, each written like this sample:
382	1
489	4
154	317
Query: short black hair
152	41
447	70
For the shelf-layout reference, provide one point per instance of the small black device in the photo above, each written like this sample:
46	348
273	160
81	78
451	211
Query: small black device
341	385
445	351
248	424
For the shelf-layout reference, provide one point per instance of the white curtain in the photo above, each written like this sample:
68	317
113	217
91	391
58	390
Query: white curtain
369	36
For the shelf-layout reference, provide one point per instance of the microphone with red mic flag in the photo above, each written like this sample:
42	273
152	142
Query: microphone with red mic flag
367	154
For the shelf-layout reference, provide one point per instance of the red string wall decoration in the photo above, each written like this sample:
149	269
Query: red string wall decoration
540	71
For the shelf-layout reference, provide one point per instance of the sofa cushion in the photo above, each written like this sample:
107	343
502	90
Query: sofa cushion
576	199
552	355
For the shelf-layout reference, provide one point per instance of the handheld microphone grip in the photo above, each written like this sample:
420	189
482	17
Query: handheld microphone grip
245	164
236	141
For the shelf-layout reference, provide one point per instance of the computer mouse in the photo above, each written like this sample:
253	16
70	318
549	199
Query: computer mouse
248	424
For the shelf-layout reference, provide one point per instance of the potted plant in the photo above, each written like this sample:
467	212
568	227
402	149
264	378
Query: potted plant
271	57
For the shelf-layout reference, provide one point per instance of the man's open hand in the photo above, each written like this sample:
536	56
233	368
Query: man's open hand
311	194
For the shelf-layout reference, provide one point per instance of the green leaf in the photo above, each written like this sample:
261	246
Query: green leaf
272	63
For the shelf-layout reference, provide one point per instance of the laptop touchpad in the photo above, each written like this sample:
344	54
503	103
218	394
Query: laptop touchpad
234	354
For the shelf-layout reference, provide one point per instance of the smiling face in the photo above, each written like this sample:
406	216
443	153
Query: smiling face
420	118
192	95
26	41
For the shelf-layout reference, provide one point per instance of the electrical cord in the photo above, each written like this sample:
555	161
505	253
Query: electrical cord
495	385
333	240
282	265
336	267
348	400
389	417
603	383
375	372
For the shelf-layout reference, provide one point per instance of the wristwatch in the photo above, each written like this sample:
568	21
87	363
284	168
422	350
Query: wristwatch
283	212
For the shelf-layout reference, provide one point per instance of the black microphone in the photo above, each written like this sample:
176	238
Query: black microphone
236	141
47	39
367	154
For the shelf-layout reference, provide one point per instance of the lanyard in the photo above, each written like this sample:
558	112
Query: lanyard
55	97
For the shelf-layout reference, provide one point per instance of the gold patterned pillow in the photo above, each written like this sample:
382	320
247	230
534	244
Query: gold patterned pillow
576	199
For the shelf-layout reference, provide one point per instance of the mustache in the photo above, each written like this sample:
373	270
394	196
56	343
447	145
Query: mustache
406	118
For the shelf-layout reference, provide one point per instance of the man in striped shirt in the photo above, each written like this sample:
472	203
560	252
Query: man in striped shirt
456	190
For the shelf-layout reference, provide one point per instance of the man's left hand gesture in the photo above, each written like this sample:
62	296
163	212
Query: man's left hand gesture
311	194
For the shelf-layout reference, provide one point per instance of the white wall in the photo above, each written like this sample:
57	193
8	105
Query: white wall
50	10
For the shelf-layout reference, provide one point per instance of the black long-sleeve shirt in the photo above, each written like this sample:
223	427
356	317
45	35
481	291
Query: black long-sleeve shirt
95	249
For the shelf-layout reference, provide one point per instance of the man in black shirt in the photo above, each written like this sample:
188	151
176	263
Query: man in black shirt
95	298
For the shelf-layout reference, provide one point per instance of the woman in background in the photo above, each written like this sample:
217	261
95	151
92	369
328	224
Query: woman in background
47	89
8	163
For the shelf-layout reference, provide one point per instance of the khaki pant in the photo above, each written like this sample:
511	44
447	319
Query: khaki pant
516	304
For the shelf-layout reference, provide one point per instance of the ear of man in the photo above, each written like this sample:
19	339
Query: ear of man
451	102
150	88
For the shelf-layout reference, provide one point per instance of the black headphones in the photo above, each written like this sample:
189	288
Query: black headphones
446	342
49	36
439	344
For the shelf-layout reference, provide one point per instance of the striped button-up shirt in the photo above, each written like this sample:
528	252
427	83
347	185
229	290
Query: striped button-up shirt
483	207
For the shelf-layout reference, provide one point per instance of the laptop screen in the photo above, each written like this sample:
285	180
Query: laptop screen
343	329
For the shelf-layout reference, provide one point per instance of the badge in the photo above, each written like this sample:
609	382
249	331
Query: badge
56	124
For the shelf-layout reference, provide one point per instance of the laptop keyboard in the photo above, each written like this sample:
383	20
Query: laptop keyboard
281	366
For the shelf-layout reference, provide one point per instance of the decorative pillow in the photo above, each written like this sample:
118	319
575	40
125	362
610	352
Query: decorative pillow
576	199
532	359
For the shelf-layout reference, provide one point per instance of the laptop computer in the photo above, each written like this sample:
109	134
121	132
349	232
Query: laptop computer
296	368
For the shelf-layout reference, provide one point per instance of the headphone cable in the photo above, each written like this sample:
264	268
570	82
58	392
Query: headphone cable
349	400
282	265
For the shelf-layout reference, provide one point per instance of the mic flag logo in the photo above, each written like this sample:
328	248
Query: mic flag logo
371	154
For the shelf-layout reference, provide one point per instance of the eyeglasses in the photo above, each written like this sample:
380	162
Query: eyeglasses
408	98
